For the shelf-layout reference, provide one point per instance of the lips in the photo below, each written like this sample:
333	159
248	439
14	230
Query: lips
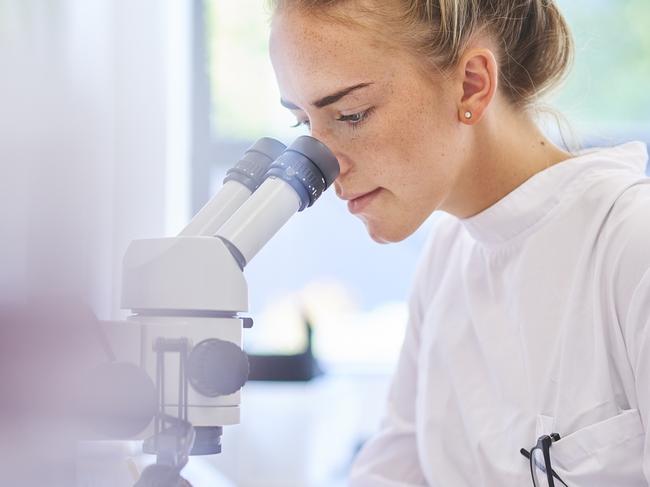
356	203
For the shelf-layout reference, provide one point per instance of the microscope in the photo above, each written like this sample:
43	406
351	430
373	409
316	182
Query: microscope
180	350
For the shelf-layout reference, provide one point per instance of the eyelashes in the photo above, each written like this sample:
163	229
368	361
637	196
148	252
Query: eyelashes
356	119
353	120
300	123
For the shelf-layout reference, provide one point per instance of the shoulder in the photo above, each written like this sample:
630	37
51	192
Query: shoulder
615	203
627	227
626	246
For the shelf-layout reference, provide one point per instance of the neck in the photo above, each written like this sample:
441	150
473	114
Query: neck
505	149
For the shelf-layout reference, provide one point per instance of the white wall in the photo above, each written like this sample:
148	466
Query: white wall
92	131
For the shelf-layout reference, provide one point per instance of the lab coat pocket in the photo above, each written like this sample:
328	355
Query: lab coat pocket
605	454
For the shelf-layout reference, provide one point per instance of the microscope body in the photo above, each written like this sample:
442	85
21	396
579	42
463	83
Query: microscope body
190	288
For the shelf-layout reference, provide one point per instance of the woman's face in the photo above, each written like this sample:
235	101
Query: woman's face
393	127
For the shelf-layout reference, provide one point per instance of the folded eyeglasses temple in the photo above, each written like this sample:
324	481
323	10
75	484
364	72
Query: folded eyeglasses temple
526	453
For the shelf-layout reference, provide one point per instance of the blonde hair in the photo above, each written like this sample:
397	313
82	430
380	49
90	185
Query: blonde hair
535	44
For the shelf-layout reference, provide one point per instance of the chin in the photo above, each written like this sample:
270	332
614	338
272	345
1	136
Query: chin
386	235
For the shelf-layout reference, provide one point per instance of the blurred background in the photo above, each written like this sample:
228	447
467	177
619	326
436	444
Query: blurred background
118	120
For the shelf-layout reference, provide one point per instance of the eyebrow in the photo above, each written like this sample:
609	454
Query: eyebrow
327	100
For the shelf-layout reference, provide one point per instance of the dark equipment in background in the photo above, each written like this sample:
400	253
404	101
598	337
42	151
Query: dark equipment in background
300	367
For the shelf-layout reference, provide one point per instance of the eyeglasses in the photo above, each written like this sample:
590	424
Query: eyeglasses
540	461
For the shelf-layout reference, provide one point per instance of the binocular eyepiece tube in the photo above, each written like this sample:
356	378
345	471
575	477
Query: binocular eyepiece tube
293	182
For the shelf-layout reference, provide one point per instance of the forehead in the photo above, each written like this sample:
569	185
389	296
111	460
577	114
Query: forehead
313	56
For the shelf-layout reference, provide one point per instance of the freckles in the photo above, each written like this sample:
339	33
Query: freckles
322	132
307	46
367	146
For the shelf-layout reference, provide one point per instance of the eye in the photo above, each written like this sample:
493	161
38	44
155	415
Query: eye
355	119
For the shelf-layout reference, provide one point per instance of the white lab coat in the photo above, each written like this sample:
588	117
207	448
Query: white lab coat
529	318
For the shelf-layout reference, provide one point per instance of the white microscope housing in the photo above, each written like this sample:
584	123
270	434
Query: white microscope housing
188	294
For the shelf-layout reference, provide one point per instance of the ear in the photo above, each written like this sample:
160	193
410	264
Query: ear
478	72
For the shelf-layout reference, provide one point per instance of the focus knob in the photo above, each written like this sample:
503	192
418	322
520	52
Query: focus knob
217	368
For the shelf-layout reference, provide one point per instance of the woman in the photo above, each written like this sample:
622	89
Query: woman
529	316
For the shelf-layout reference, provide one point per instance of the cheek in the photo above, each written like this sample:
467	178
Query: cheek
414	152
429	143
404	147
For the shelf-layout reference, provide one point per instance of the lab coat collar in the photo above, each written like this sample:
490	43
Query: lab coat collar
521	210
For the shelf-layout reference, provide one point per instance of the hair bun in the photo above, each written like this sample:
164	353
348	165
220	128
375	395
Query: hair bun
538	49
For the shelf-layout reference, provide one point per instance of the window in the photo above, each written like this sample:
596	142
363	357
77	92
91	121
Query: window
606	97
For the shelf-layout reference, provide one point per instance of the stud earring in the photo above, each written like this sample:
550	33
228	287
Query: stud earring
468	115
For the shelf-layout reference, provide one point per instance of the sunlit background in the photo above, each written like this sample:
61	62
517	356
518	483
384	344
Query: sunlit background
118	120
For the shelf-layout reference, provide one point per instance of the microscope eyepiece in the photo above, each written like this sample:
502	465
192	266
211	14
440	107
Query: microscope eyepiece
308	166
319	154
251	168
